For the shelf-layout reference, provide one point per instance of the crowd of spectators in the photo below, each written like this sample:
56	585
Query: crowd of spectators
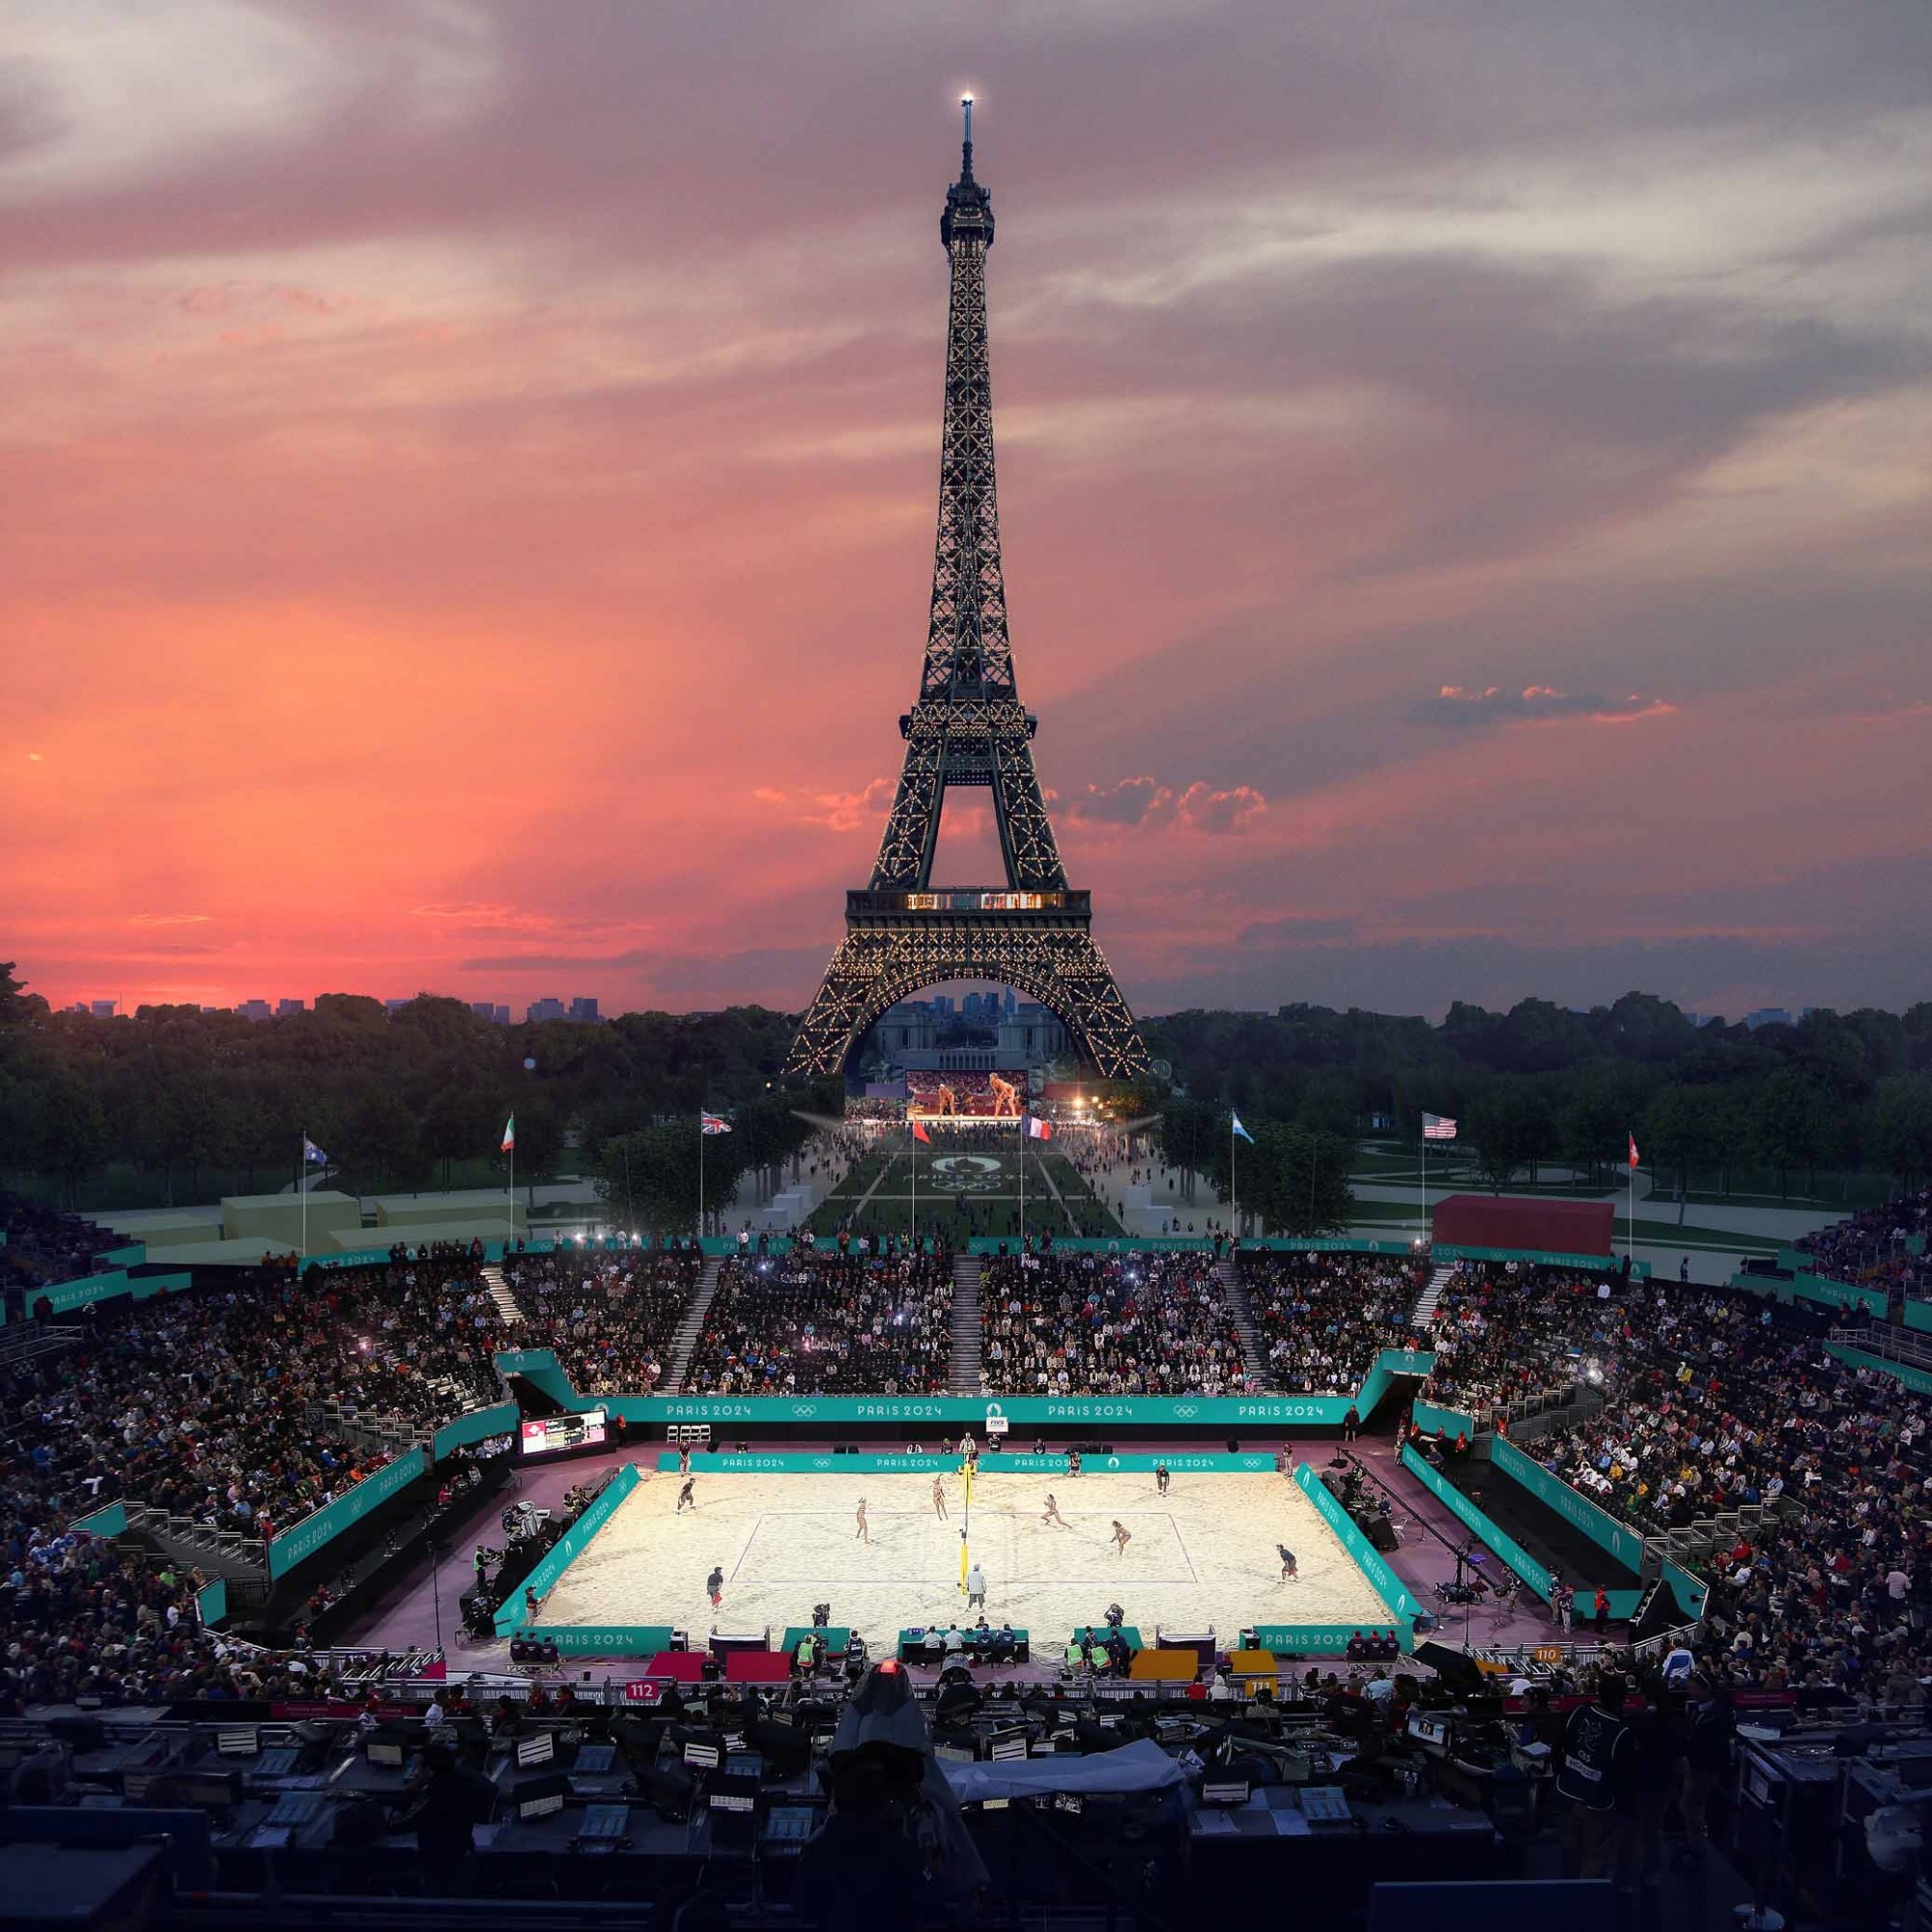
1873	1247
1323	1318
1107	1324
1722	1401
203	1404
42	1245
827	1323
1506	1332
610	1317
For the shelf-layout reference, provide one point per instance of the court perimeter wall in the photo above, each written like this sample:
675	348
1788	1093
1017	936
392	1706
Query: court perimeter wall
820	1412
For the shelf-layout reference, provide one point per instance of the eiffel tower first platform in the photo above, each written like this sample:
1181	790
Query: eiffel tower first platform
967	728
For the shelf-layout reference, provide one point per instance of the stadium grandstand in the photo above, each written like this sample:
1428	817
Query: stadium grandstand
1524	1489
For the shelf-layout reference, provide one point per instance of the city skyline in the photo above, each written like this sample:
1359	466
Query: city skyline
1462	488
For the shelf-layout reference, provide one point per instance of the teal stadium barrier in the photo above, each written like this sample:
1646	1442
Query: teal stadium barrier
211	1602
1919	1381
1619	1539
1804	1286
1606	1265
540	1367
304	1539
1691	1592
499	1419
778	1461
1488	1534
1452	1422
62	1297
570	1545
1401	1606
108	1521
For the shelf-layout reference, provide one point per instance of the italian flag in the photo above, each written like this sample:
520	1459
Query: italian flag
510	1135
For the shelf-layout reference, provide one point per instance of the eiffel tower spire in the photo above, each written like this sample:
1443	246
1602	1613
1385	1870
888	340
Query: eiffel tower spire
968	727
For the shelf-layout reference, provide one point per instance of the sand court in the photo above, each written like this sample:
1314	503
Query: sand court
1204	1554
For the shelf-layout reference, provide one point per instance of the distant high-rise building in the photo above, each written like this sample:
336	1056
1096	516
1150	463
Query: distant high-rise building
255	1010
583	1010
395	1006
102	1010
1766	1016
543	1010
284	1008
501	1016
484	1010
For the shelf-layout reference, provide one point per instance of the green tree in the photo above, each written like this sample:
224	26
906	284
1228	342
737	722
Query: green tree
1903	1127
69	1134
1792	1125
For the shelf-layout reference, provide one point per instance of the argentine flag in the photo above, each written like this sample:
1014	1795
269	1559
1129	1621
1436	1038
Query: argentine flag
1241	1131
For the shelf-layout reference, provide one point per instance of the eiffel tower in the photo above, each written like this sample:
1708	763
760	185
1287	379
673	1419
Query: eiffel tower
968	727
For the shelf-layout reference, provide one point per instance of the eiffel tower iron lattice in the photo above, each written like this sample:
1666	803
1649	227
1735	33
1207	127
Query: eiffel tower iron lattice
968	727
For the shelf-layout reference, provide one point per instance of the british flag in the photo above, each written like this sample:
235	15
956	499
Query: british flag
714	1124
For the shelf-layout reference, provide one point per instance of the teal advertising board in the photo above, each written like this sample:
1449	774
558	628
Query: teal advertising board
1401	1606
1452	1422
1918	1314
294	1544
1803	1286
1599	1264
1486	1533
62	1295
210	1601
109	1521
1903	1372
916	1413
1691	1592
568	1548
1314	1640
603	1639
1603	1529
499	1419
131	1255
792	1464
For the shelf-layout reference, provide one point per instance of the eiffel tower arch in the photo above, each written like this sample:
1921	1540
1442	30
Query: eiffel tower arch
968	727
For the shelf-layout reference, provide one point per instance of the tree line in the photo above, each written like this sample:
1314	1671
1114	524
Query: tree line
1542	1083
404	1098
397	1100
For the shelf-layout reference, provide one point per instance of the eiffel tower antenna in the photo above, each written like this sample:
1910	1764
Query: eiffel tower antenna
968	727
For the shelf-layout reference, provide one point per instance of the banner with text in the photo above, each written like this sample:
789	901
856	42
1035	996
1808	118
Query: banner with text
1402	1608
293	1545
540	1367
570	1545
1575	1509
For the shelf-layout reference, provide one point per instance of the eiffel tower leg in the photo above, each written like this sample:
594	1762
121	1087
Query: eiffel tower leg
1062	969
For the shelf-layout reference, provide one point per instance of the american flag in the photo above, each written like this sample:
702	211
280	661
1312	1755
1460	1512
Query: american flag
1437	1127
714	1124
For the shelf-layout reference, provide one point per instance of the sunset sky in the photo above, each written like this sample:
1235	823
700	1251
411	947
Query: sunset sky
469	467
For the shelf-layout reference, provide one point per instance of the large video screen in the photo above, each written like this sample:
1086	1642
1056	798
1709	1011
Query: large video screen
549	1435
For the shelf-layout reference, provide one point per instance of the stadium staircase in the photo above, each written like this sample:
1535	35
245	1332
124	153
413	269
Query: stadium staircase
508	1311
217	1553
685	1342
1235	1291
1430	1297
963	1373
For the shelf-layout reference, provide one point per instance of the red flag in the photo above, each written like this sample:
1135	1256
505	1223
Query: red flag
919	1133
1633	1142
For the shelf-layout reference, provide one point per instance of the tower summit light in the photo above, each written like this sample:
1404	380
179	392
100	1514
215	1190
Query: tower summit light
968	727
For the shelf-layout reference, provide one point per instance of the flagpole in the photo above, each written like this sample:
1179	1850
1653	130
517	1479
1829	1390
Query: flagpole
1422	1204
1234	1212
1023	1142
1630	1215
700	1177
913	1157
301	1188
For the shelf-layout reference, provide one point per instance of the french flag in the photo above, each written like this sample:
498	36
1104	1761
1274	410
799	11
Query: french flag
1038	1129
